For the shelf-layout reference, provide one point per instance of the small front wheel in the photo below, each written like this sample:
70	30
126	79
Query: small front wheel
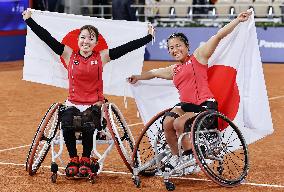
170	186
137	182
53	177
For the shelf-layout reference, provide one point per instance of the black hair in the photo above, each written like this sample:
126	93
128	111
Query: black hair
92	30
181	36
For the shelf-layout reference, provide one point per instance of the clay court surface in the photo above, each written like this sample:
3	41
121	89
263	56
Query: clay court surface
24	103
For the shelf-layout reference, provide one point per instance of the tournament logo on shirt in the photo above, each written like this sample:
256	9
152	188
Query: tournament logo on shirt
94	62
188	62
177	69
76	62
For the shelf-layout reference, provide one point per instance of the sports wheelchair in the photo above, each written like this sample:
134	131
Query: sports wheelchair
219	150
114	131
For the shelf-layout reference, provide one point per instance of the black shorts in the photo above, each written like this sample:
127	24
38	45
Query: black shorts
206	105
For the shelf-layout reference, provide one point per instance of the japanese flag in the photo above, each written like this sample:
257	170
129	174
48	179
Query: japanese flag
236	79
42	65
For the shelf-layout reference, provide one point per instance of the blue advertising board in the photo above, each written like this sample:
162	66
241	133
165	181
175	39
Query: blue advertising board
270	40
271	44
11	14
12	29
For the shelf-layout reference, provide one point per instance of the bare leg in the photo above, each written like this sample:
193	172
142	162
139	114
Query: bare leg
170	132
179	128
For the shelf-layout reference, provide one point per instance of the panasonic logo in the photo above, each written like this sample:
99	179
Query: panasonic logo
267	44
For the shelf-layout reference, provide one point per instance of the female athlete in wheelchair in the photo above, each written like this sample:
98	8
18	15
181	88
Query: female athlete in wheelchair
189	76
85	87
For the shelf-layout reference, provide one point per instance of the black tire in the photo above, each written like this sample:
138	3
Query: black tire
53	178
41	142
170	186
144	151
219	148
121	134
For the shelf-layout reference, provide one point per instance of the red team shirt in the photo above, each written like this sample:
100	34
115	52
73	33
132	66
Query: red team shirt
191	81
85	79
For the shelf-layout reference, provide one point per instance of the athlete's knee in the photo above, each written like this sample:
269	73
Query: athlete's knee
88	128
91	119
178	125
168	124
168	127
98	121
67	119
188	124
168	119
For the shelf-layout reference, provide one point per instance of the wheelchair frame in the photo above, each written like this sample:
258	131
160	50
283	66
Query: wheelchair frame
49	134
212	149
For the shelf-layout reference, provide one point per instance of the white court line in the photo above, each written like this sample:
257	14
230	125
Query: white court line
112	172
183	178
253	184
277	97
14	148
131	125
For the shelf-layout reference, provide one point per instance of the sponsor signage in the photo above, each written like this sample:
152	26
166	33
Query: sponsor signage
11	14
270	41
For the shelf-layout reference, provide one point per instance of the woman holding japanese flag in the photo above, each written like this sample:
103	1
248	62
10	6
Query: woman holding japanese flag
85	86
189	76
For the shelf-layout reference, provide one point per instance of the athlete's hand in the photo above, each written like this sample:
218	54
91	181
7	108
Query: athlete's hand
244	16
26	14
133	79
151	30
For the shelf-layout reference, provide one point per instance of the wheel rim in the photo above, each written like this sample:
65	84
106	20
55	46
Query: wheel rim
144	150
221	154
41	143
122	135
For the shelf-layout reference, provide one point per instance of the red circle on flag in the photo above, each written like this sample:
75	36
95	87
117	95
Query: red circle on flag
71	40
222	83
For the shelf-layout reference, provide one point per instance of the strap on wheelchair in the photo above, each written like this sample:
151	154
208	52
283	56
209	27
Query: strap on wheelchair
211	105
188	123
87	120
206	105
171	114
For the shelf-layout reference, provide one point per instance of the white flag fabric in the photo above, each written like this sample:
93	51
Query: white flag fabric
42	65
236	79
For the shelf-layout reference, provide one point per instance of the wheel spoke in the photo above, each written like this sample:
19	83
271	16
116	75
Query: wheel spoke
41	142
225	160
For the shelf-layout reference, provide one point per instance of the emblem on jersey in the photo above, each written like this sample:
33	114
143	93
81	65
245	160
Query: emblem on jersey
177	69
94	62
188	62
76	62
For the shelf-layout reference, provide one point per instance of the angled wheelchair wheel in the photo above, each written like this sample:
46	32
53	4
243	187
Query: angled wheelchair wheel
150	146
121	134
219	148
41	142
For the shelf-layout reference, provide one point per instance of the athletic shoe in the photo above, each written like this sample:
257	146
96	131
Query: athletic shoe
85	167
72	167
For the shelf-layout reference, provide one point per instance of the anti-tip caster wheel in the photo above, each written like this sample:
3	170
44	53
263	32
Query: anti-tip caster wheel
170	186
92	178
53	177
137	182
